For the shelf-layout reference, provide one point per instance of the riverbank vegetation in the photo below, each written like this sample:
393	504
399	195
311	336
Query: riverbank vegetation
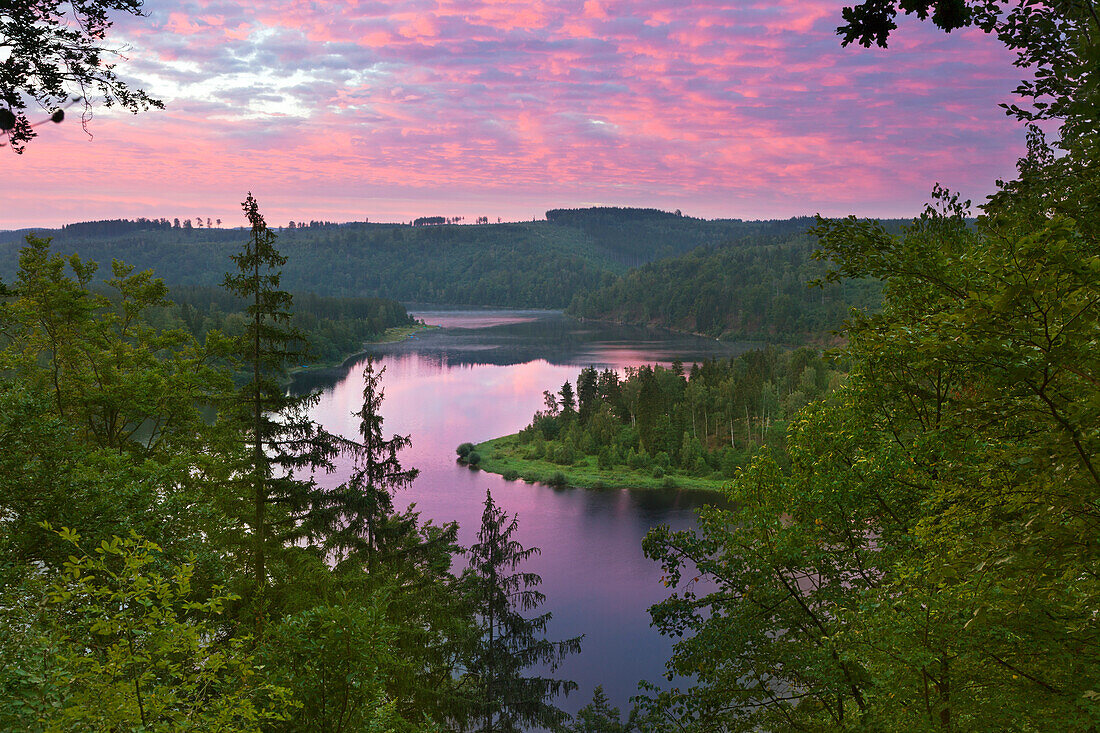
923	555
663	427
335	327
173	558
736	293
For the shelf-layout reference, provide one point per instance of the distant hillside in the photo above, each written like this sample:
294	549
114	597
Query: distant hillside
527	264
742	291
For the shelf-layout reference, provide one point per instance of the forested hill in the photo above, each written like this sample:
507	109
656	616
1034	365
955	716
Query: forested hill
524	264
741	291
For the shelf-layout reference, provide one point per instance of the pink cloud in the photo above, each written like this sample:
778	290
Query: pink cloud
388	109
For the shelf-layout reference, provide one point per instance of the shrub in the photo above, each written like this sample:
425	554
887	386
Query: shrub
464	449
669	483
558	480
605	460
510	475
658	472
563	454
473	458
730	462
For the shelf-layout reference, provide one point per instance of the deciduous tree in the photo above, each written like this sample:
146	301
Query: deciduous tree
51	59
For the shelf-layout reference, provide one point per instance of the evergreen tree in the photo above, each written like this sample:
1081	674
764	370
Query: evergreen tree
650	408
280	437
357	516
587	392
599	717
510	643
568	399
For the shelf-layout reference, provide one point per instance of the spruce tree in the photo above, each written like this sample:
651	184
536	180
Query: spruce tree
280	437
599	716
507	701
587	392
358	517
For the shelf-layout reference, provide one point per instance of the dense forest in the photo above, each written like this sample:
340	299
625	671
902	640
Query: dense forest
334	327
669	423
528	264
735	292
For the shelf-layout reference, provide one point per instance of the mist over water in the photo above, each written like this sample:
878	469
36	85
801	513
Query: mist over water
482	376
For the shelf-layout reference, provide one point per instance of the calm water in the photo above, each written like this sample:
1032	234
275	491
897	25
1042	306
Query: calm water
481	376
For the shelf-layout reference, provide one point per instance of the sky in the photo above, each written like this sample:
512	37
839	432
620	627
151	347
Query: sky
387	110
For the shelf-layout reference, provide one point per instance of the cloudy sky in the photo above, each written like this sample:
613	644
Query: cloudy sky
503	108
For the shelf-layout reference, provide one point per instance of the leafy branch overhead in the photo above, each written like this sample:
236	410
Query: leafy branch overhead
56	52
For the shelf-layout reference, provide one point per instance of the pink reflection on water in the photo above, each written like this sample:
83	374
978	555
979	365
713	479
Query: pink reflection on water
475	318
595	577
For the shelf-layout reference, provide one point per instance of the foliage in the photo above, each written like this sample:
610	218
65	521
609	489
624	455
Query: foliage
335	327
356	518
525	264
505	699
735	292
599	717
106	367
49	59
100	398
334	659
270	499
121	646
926	554
100	417
657	420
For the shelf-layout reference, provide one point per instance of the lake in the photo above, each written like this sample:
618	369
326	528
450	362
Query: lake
482	376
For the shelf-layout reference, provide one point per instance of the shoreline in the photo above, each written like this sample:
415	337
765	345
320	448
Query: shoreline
584	474
828	340
392	335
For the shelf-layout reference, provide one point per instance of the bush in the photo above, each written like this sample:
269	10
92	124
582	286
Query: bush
563	454
637	460
658	472
464	449
730	463
558	480
510	475
669	483
605	460
473	458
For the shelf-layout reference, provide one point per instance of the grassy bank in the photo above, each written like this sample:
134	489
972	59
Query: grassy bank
400	333
504	456
389	336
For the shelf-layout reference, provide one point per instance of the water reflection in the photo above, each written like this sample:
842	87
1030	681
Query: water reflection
505	338
483	376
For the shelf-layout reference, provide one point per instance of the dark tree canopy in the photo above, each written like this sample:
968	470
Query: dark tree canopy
1055	40
873	21
57	53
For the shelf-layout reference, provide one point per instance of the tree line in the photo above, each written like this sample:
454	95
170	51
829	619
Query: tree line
529	264
704	421
334	327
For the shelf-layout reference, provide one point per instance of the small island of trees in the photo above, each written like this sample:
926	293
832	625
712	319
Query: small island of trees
659	426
